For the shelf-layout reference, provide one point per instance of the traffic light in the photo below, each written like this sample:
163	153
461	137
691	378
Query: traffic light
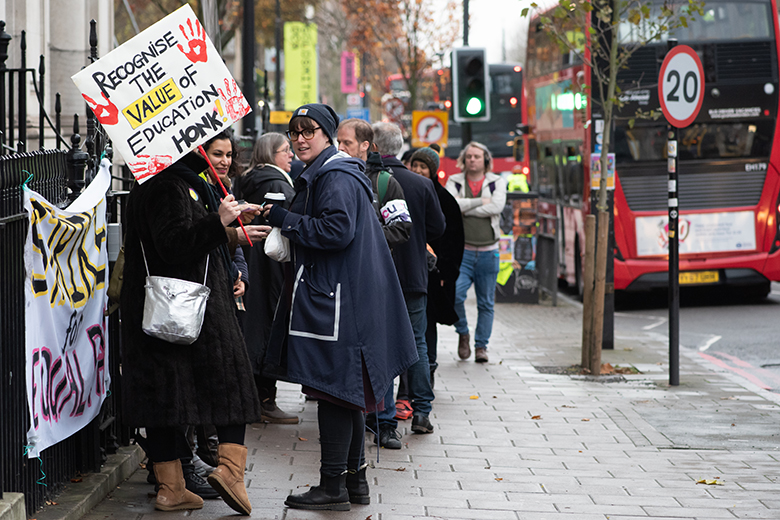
470	89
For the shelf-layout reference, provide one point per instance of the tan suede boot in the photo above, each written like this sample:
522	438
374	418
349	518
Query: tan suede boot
228	478
173	494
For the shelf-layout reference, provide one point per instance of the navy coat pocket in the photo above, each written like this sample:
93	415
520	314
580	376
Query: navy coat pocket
316	308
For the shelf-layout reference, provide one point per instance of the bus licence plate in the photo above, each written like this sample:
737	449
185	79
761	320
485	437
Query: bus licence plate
700	277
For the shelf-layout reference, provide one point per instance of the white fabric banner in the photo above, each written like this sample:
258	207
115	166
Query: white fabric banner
66	266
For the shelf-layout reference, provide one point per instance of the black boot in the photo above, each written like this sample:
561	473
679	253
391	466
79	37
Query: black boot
357	486
195	483
330	495
150	478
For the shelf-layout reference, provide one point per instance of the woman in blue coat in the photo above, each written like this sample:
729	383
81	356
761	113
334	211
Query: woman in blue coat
341	328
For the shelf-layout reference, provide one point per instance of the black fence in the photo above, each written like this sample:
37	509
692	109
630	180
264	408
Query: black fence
59	176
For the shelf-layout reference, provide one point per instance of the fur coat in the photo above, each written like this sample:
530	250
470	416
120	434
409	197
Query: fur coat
210	381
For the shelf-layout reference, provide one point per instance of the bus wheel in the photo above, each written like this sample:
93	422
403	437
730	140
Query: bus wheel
578	274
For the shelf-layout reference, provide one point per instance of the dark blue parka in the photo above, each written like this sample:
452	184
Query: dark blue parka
343	307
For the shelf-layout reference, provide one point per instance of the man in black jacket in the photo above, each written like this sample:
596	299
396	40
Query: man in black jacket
355	137
412	266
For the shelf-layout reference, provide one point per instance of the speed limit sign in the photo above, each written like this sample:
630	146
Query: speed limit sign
681	86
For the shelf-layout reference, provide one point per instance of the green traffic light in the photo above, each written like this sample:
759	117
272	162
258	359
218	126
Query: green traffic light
474	106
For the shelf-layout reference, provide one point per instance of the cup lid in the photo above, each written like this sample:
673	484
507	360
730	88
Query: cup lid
274	196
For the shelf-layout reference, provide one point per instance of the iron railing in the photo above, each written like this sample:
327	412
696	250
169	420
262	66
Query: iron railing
59	176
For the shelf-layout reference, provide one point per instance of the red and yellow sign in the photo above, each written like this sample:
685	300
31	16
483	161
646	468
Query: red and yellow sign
429	128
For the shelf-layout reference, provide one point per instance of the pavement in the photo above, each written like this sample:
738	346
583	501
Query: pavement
519	438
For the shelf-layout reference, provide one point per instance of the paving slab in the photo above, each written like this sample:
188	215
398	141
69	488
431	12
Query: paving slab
515	442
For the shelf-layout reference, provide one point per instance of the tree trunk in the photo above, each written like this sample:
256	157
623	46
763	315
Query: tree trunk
598	292
600	268
587	290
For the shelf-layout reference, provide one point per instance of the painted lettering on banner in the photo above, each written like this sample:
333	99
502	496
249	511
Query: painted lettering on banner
66	337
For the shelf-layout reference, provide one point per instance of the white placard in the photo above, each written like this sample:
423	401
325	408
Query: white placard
162	93
699	233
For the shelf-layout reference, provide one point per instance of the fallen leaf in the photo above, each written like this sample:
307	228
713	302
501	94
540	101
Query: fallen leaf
568	406
585	420
302	439
76	480
710	482
495	397
536	417
474	397
628	349
607	369
400	469
499	478
733	424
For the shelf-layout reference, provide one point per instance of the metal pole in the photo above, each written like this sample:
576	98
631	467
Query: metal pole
465	128
465	23
5	39
22	144
674	258
278	60
248	67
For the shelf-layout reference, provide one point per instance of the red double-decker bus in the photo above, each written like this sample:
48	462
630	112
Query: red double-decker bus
729	157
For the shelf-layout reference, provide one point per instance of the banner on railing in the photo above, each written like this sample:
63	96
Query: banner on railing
66	266
162	93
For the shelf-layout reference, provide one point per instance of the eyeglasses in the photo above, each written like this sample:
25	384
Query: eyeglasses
307	134
287	150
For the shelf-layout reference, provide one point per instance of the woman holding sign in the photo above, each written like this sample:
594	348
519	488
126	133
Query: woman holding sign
185	232
341	328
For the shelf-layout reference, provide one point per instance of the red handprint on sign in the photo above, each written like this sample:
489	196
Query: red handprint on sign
147	165
235	103
107	114
197	42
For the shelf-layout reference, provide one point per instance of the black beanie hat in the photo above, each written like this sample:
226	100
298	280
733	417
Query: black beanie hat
323	114
429	157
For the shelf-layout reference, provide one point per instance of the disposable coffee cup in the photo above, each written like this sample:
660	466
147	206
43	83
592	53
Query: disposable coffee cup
273	198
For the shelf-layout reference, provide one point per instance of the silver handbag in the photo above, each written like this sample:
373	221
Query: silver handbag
174	308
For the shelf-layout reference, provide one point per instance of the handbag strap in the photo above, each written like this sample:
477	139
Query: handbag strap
143	252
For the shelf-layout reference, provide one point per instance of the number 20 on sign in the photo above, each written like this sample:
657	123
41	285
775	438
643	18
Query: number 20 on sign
681	86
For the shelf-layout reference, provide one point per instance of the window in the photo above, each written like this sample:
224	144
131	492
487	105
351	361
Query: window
702	141
732	20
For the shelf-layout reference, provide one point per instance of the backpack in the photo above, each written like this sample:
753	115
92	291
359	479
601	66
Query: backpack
382	181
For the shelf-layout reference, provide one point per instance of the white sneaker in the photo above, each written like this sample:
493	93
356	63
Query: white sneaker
201	468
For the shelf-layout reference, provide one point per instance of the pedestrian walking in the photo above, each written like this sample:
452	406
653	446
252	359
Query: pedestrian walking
481	195
329	334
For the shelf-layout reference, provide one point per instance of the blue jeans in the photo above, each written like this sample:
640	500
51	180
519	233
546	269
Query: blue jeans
481	269
419	374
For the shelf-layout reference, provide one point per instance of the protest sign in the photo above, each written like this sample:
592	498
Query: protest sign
162	93
66	267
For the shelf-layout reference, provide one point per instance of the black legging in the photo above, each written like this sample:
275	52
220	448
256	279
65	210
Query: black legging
169	443
341	438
